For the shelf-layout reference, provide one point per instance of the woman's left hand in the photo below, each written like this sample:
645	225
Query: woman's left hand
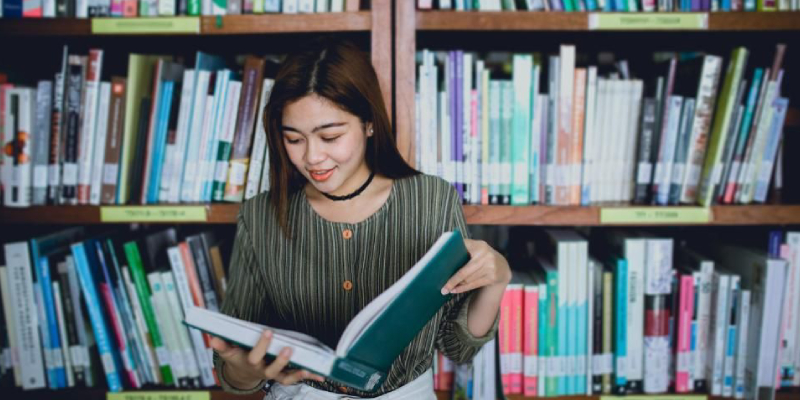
486	267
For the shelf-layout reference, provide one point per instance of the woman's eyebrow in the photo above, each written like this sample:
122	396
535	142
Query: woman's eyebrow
318	128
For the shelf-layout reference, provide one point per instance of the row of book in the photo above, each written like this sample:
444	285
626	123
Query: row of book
610	5
164	8
164	133
596	134
628	312
79	311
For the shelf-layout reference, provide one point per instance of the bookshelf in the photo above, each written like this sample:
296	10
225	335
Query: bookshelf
221	214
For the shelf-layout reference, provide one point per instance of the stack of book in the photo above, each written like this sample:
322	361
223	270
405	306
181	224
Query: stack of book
163	133
81	311
610	5
165	8
701	134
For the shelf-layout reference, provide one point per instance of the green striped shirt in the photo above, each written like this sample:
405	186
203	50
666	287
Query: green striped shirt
302	284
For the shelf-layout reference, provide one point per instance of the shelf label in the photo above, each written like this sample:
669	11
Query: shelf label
167	395
145	25
655	215
153	214
658	397
648	21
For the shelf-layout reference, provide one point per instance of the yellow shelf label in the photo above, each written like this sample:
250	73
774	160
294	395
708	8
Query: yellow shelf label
655	215
153	214
167	395
145	25
658	397
648	21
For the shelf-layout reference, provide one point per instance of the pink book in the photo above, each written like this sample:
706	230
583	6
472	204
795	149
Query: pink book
504	332
116	325
530	343
515	372
686	307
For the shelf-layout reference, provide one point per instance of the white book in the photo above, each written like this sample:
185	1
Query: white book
201	352
201	162
290	6
589	322
566	90
718	328
259	153
82	8
598	178
306	6
166	8
741	347
322	6
337	5
584	348
791	302
666	161
731	315
29	344
62	332
47	351
423	109
589	133
166	326
635	107
793	240
636	254
101	133
89	111
489	379
12	355
197	125
169	192
79	354
230	112
181	330
141	325
209	152
19	112
537	130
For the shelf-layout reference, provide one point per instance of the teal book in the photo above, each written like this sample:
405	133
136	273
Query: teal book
374	338
521	120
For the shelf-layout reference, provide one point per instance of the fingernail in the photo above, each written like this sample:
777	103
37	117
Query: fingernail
267	334
444	291
286	352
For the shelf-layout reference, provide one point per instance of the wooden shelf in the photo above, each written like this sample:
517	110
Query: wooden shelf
360	21
475	215
579	21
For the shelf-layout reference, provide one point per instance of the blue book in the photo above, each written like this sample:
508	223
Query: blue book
93	305
12	8
621	324
210	156
41	248
591	5
160	142
583	355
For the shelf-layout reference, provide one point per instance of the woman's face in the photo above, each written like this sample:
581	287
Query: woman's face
326	144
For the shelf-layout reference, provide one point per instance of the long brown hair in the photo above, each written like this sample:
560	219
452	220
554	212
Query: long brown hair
341	73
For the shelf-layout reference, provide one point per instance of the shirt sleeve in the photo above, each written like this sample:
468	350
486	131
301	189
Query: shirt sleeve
454	339
245	297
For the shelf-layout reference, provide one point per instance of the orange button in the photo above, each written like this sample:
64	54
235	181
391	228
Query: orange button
347	285
347	233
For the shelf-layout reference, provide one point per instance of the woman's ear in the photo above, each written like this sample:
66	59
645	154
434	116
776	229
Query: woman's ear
368	129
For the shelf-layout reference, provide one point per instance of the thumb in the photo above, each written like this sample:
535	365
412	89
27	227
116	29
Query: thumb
222	347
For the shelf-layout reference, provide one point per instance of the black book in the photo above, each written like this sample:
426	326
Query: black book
202	263
136	170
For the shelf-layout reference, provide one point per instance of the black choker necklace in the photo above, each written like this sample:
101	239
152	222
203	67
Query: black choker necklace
351	195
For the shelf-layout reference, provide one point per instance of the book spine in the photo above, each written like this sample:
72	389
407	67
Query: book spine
88	124
644	168
731	331
741	357
41	141
656	349
635	253
718	329
505	331
665	166
167	329
101	137
553	367
116	121
192	366
143	293
259	158
577	149
582	372
765	170
742	137
621	329
52	347
225	142
565	101
530	341
706	97
201	264
142	328
96	316
681	150
682	374
62	332
161	141
544	311
522	78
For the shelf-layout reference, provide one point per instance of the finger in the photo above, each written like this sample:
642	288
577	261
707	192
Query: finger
483	281
472	266
473	246
224	349
479	274
290	378
256	356
274	369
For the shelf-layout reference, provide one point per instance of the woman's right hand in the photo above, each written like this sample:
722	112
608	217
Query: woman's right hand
245	369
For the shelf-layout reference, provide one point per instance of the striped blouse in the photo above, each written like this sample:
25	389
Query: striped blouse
317	282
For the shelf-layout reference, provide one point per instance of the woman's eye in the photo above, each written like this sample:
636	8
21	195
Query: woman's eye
330	139
292	141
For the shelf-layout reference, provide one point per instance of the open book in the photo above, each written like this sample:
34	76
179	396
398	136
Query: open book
377	334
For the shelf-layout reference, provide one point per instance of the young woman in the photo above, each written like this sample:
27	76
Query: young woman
344	219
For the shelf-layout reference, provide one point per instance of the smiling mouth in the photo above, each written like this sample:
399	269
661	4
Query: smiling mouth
321	175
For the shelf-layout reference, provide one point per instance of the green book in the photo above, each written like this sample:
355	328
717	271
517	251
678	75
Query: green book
521	123
143	292
374	338
712	167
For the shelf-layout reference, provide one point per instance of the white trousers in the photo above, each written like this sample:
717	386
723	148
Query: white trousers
419	389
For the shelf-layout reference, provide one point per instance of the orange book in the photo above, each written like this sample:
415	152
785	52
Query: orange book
576	148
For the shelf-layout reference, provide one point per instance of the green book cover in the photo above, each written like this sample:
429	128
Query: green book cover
521	122
193	7
378	333
550	350
143	291
506	140
712	167
140	82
